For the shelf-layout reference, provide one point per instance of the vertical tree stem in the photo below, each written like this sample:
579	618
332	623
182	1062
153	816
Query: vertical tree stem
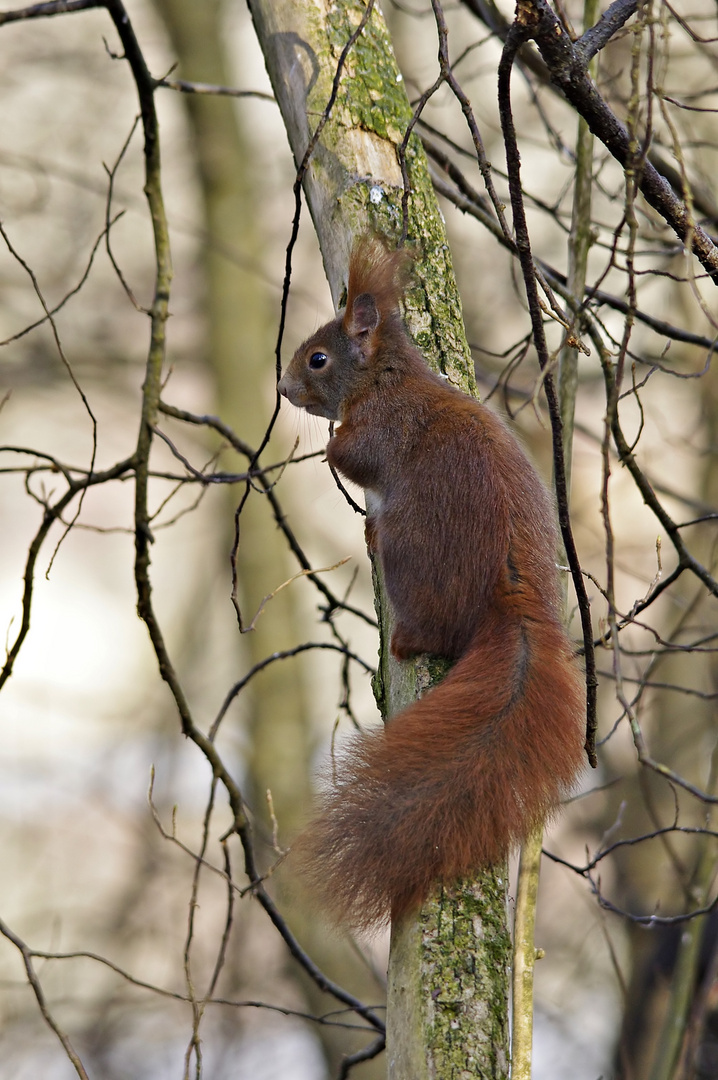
579	243
525	956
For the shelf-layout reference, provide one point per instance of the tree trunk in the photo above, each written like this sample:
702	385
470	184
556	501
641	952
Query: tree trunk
448	969
239	345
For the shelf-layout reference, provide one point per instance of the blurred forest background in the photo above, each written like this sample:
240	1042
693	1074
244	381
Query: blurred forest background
114	869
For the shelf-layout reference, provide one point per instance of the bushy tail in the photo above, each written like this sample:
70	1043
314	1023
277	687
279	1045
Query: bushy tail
455	780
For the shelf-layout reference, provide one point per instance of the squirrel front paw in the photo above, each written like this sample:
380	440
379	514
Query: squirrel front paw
403	647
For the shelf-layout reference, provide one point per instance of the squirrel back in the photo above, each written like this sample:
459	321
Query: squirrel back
464	531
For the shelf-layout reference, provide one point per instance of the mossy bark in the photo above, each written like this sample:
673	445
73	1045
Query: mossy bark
448	971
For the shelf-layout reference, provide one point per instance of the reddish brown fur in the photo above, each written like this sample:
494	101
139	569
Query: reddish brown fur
466	540
379	272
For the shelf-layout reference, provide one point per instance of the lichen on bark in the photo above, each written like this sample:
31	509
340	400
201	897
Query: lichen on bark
465	977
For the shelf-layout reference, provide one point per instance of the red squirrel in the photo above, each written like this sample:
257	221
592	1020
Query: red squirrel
464	532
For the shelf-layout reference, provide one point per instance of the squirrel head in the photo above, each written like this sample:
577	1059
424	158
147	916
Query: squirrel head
335	364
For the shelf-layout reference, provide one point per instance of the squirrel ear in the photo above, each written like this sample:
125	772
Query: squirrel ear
363	317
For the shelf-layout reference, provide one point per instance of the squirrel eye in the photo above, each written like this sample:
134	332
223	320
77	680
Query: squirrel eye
317	360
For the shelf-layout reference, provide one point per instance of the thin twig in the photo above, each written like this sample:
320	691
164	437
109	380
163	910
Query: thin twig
515	38
27	956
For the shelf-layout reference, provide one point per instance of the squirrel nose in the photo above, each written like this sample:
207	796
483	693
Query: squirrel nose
282	387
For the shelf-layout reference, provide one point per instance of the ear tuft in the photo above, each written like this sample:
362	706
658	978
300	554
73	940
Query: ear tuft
375	269
364	316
